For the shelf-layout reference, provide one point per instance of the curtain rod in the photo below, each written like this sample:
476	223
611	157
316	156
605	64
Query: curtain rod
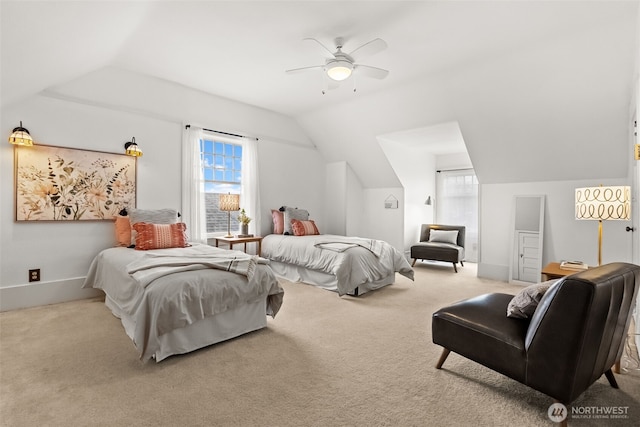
451	170
225	133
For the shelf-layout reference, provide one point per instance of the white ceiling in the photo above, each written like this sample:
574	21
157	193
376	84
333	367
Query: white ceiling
241	49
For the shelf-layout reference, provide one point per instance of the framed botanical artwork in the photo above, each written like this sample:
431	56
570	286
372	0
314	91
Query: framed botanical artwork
69	184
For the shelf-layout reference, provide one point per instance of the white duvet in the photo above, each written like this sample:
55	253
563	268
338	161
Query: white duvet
353	260
183	291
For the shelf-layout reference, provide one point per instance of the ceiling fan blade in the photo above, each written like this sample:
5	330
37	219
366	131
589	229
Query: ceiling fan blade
376	73
295	70
368	49
323	46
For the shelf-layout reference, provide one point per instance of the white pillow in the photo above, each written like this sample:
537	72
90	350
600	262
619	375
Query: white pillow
444	236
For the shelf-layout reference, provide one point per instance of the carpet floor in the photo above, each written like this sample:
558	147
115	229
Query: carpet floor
323	361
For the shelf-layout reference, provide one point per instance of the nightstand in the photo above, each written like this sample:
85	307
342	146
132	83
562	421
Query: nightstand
234	240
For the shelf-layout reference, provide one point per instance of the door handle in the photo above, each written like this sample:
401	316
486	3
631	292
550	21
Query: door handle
631	229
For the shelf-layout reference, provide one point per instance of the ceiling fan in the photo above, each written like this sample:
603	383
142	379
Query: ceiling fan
340	65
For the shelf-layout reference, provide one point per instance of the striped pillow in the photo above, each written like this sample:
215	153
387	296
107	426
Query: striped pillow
304	228
160	236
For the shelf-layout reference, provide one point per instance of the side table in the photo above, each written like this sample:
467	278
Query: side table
553	271
233	240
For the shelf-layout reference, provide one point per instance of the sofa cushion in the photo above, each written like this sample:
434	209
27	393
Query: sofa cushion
478	329
437	251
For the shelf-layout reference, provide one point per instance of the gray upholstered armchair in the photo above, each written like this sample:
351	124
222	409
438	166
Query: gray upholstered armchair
575	335
440	243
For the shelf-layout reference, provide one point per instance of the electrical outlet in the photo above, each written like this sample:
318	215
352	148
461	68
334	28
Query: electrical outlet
34	275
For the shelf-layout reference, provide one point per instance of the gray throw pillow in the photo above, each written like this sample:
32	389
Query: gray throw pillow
293	213
157	216
525	302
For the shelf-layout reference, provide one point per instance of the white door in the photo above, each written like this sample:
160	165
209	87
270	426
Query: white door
528	257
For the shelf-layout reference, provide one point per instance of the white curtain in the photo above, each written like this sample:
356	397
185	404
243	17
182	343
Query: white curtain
457	204
250	199
193	206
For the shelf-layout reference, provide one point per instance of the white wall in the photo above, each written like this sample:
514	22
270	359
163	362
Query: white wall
336	198
356	208
381	223
564	236
344	202
290	173
290	176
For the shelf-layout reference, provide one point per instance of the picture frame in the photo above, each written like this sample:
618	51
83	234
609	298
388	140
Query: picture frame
69	184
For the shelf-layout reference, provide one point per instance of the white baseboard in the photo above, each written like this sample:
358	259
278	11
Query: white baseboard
493	272
44	293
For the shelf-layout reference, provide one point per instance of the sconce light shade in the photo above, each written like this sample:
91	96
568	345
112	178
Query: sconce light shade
229	202
339	70
132	148
428	201
21	136
602	204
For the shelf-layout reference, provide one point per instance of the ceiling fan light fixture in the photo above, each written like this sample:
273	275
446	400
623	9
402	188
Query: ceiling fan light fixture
339	70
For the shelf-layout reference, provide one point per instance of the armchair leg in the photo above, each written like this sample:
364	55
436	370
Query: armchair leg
461	264
443	357
455	268
611	378
414	262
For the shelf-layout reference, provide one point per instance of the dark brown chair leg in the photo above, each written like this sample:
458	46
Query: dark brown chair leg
611	378
461	263
443	357
455	268
414	262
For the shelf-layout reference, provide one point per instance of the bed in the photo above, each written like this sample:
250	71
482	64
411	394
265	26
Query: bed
347	265
176	300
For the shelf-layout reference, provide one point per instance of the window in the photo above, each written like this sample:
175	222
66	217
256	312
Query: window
457	196
222	173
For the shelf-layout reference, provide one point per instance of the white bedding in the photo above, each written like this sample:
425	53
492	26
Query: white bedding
178	296
353	261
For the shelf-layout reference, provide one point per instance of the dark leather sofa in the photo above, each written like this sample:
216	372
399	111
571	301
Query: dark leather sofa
575	335
438	251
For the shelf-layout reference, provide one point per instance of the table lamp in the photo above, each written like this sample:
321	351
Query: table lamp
229	202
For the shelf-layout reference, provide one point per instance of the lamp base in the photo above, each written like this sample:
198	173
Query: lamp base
228	236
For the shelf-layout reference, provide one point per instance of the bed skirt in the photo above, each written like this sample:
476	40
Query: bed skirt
295	273
210	330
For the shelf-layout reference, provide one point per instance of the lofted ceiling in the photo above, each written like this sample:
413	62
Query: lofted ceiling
518	76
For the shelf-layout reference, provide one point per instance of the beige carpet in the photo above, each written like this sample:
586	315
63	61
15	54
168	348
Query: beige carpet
324	361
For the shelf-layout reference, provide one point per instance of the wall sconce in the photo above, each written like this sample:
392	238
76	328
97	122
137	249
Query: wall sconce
21	136
428	201
132	148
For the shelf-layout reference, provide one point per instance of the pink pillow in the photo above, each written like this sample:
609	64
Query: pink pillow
278	221
160	236
123	231
304	228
